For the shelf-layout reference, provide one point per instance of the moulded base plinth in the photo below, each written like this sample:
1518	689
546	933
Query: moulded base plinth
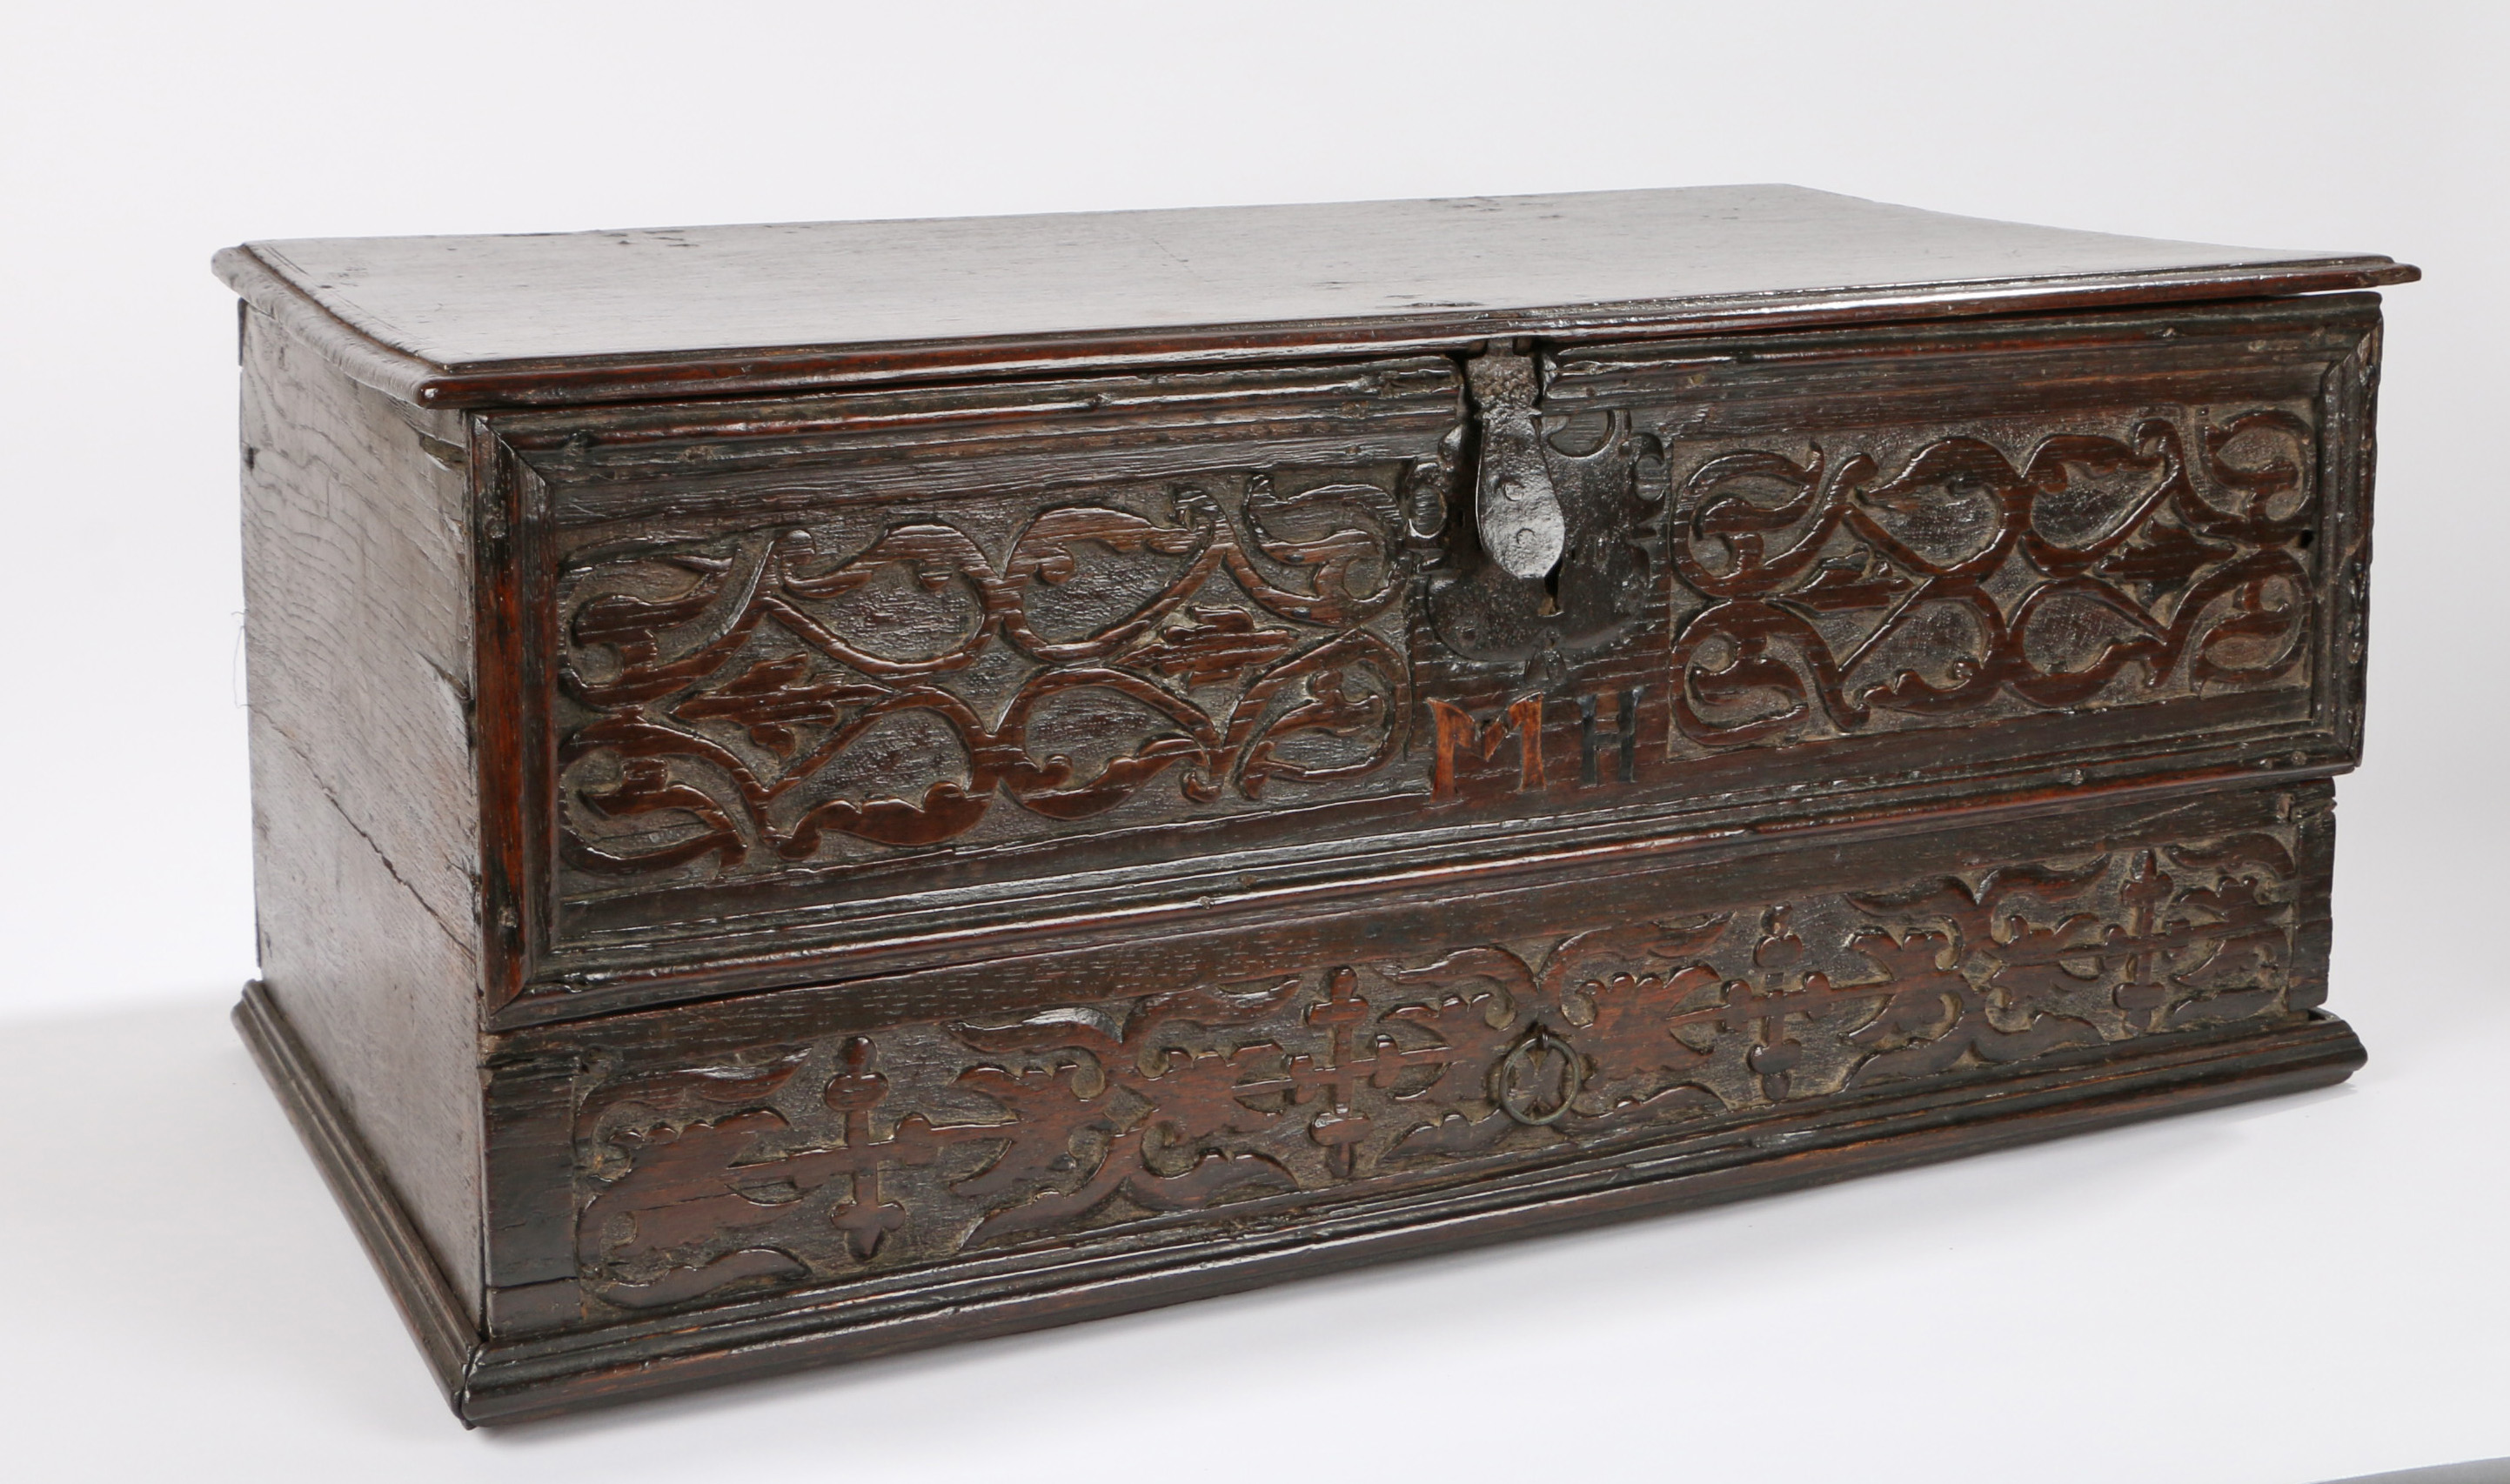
491	1381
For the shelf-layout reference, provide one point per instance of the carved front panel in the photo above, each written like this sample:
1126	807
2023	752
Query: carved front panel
810	656
1926	576
827	674
1005	670
824	1158
1790	561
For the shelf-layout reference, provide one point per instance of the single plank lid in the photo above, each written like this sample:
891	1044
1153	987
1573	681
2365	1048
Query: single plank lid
586	316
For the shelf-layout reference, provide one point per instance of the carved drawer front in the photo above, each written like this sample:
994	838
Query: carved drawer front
1116	1102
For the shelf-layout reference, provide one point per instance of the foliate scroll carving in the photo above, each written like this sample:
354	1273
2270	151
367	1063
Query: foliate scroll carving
923	1141
750	702
1963	576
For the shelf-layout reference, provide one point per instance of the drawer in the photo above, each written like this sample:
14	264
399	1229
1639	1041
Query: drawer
834	685
949	1137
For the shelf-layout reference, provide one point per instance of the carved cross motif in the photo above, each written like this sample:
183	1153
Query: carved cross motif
1764	1004
1332	1082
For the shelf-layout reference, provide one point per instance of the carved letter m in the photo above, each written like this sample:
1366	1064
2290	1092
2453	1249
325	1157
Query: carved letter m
1457	728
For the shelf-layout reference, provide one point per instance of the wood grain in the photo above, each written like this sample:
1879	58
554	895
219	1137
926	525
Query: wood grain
613	316
365	802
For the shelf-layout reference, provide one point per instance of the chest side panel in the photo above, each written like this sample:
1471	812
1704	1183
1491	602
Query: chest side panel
364	809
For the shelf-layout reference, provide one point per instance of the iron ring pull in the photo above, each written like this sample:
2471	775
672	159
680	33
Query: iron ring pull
1518	1067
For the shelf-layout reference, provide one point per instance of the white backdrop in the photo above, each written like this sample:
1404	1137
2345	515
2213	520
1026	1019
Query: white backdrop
2293	1292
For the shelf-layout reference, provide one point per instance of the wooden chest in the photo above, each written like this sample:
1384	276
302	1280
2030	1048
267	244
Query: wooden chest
820	789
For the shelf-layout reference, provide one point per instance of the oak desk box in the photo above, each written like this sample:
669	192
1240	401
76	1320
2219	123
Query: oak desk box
825	788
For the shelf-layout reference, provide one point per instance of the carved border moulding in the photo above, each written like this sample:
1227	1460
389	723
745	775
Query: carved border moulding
828	788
